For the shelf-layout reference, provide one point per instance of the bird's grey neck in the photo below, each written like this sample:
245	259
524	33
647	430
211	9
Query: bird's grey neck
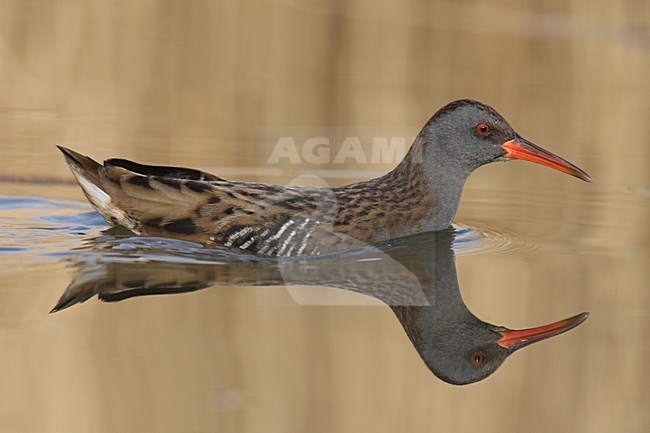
446	307
427	168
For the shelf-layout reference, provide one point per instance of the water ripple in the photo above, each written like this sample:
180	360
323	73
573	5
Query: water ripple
488	241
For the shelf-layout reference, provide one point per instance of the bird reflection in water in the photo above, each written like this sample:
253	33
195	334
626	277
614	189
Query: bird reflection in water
414	276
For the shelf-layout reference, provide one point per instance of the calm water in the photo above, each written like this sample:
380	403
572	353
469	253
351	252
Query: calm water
214	86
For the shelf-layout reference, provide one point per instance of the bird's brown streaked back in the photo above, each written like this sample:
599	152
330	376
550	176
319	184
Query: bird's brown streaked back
421	194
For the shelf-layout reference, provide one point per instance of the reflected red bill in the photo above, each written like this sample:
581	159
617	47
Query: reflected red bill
514	339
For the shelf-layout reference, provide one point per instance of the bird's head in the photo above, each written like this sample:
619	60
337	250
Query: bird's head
473	350
466	134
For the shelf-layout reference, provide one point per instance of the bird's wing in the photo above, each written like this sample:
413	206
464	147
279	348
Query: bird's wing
192	205
262	219
162	171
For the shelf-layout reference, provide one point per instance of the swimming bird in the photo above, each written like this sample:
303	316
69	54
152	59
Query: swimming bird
415	276
421	194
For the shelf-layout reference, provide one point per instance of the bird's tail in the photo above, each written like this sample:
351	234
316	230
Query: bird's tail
87	171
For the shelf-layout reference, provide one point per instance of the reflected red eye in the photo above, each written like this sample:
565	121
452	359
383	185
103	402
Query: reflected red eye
477	359
482	128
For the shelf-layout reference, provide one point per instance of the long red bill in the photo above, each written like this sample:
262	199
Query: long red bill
520	148
516	339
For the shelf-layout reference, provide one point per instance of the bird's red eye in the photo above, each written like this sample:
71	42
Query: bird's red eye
482	128
477	359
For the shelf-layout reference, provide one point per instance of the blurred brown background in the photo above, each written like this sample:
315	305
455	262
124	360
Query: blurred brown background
196	83
196	80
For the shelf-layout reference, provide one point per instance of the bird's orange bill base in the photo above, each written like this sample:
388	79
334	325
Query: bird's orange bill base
516	339
520	148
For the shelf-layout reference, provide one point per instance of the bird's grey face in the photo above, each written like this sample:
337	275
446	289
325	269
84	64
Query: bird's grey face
467	358
469	134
